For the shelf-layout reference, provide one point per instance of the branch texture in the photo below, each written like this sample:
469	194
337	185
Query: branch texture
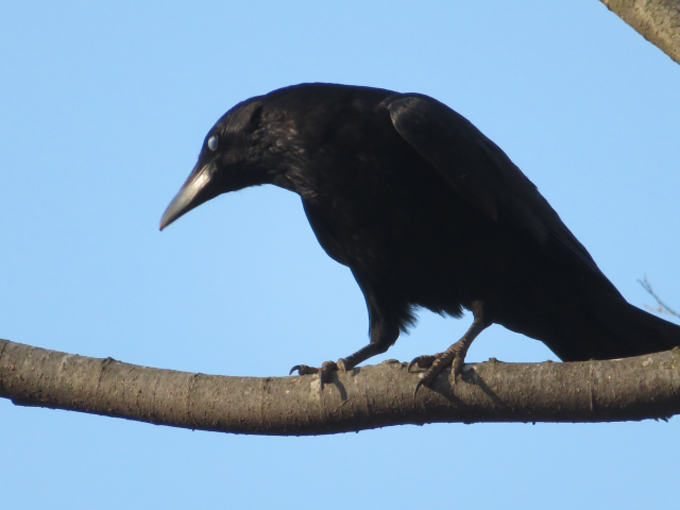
658	21
369	397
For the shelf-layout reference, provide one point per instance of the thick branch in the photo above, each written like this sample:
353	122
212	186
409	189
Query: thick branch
371	396
658	21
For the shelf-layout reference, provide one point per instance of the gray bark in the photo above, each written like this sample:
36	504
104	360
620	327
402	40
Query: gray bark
658	21
369	397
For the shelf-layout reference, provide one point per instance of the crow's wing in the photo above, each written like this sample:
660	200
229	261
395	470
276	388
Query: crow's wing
482	173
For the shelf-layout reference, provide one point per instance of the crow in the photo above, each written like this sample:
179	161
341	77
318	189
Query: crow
426	212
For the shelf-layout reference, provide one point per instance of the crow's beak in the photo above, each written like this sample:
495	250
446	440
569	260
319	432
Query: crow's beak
194	192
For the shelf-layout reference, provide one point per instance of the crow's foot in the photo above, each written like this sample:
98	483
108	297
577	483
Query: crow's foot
327	368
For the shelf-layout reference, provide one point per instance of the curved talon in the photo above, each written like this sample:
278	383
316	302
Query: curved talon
418	385
304	370
438	363
434	367
422	362
327	367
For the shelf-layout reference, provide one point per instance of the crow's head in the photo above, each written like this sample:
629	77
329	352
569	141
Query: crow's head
239	151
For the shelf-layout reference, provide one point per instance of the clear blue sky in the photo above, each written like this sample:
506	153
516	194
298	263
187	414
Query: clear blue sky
104	107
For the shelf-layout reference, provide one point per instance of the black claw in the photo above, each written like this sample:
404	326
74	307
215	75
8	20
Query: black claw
324	372
423	361
420	383
304	370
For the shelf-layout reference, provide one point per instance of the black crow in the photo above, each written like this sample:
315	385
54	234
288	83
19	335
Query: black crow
426	211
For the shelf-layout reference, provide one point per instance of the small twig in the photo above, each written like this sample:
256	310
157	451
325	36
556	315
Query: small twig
661	307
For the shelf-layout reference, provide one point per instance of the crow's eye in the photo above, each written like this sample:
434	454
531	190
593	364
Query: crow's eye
212	142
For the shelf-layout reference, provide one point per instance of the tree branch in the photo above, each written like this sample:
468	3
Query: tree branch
658	21
369	397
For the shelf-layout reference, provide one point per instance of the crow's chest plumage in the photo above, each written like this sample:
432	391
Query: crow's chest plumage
396	221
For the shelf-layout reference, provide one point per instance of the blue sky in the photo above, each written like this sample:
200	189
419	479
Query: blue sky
104	107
